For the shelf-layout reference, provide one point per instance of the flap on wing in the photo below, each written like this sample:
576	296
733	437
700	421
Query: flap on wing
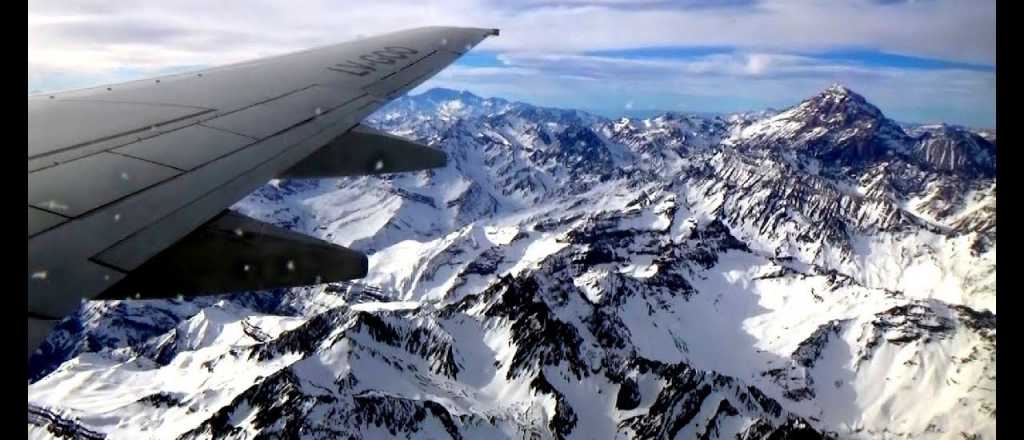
365	150
233	253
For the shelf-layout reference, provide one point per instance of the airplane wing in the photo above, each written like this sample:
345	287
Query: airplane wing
128	184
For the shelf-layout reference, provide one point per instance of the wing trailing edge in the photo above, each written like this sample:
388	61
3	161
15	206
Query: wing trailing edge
233	253
364	150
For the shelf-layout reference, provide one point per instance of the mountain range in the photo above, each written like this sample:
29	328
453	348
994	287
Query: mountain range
816	272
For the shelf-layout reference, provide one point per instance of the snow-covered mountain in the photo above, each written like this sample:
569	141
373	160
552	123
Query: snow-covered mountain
811	273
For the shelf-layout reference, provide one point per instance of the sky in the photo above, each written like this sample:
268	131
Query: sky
925	61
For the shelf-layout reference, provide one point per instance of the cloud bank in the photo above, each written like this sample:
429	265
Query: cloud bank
724	55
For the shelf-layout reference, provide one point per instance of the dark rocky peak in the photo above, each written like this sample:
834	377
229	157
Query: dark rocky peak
837	126
981	321
839	108
809	350
917	321
542	338
581	143
682	118
954	149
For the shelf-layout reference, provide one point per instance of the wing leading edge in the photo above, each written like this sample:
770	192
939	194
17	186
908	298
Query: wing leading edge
134	201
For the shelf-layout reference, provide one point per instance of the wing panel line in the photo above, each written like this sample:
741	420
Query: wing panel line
239	176
201	124
115	136
146	160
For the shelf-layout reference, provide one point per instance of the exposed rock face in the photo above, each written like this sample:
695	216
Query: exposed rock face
812	273
837	126
956	150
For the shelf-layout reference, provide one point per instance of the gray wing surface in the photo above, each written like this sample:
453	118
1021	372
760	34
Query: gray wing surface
126	182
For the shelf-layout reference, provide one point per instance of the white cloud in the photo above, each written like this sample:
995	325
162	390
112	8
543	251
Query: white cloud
194	32
542	42
726	83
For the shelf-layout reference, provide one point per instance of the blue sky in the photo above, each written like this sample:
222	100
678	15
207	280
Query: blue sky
919	61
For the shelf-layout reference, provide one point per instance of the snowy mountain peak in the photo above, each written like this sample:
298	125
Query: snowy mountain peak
441	94
838	104
837	126
839	89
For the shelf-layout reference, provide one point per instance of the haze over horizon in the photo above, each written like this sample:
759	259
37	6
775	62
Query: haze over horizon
428	87
919	61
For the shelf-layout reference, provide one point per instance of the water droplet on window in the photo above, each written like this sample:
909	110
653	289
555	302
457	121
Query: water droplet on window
39	275
291	265
54	205
245	267
117	217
